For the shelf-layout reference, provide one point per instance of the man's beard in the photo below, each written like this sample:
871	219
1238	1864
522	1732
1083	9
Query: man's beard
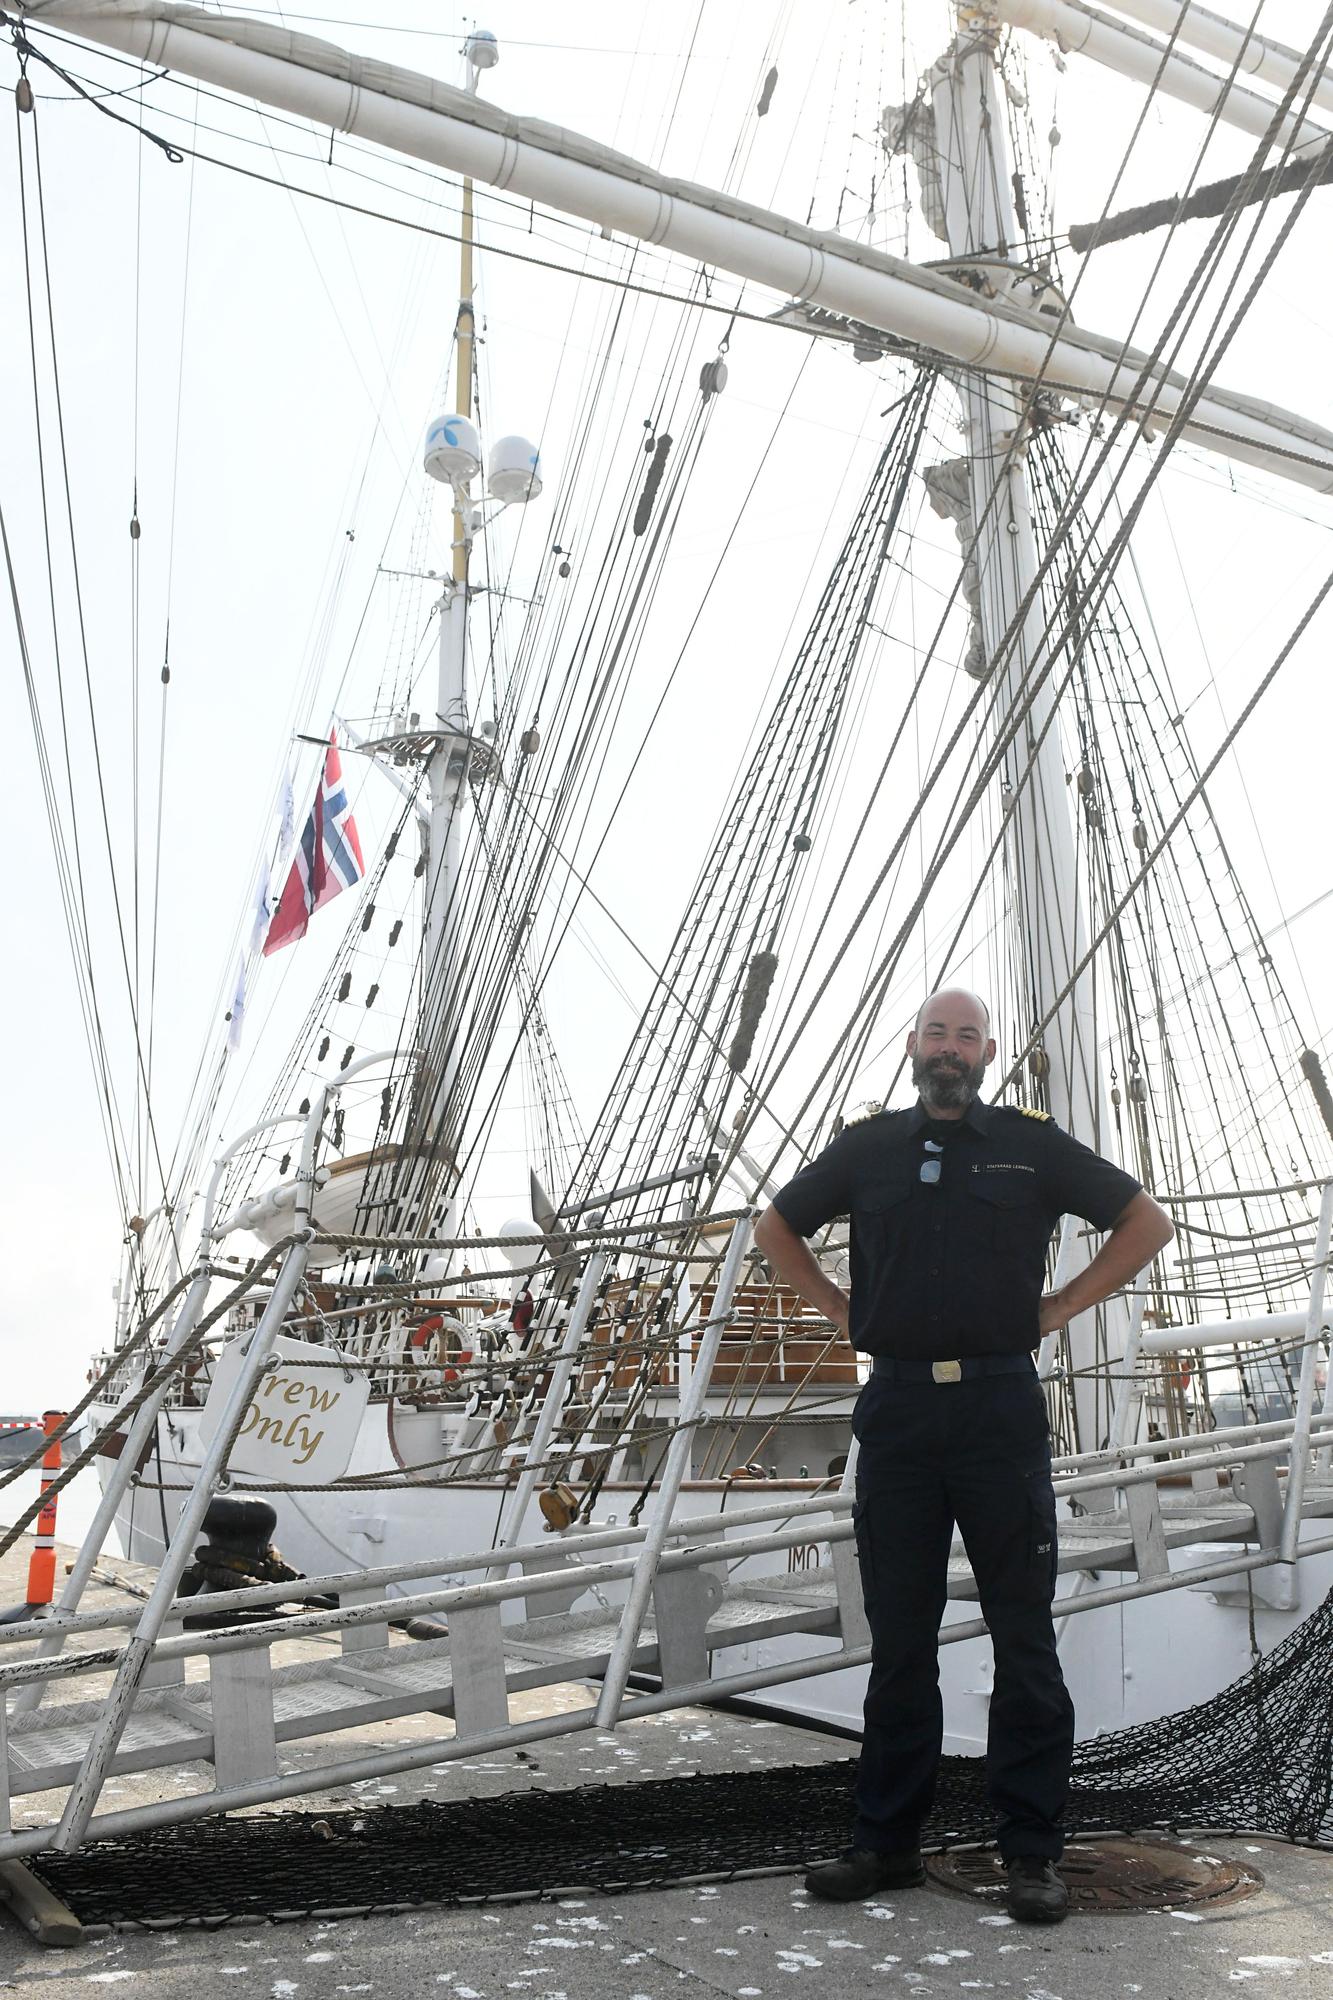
947	1083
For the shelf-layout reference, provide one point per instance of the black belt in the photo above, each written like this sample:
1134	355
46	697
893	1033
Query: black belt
962	1370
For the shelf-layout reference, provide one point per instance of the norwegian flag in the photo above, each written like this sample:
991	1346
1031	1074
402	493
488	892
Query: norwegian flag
328	859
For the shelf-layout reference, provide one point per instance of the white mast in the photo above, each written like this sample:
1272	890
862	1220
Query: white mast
982	229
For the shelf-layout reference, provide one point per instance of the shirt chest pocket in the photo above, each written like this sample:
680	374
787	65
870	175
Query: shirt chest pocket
880	1210
1008	1210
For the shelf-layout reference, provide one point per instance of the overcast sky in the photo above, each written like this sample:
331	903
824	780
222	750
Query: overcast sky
264	367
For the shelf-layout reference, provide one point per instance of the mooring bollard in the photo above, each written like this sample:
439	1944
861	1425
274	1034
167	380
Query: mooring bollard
42	1562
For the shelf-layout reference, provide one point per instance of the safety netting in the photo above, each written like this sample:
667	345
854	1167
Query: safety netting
1256	1758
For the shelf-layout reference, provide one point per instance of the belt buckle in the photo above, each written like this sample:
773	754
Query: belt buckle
946	1371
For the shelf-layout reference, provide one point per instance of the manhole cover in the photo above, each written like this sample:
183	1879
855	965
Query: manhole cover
1113	1875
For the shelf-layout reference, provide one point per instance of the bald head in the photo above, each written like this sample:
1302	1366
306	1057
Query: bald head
950	1047
950	997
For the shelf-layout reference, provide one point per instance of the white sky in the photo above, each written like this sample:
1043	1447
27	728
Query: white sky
268	365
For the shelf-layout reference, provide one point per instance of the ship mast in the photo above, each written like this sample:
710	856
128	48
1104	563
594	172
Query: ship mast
1050	938
447	768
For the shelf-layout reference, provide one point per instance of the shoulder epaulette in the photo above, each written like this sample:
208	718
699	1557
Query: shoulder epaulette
871	1110
1031	1111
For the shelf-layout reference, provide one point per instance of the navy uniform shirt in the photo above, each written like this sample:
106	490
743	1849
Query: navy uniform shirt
954	1266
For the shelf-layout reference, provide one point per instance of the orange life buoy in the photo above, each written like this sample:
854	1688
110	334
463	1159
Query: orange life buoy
421	1334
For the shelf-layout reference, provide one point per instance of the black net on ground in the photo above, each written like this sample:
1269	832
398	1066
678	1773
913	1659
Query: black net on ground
1257	1758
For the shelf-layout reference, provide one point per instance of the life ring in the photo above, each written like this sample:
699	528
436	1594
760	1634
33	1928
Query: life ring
428	1328
446	1333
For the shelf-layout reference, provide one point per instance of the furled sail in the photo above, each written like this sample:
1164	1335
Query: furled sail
427	119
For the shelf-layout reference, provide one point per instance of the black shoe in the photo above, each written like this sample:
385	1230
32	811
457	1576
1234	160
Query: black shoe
1036	1894
862	1870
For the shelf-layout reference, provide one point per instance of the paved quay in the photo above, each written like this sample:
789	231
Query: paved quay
751	1939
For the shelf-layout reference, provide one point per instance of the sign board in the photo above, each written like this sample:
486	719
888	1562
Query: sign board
301	1423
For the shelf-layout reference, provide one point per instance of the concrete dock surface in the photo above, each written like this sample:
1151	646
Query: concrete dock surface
752	1939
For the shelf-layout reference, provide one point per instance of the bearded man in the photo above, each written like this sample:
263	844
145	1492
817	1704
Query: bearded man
952	1206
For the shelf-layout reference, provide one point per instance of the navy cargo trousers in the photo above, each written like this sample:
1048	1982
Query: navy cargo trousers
975	1452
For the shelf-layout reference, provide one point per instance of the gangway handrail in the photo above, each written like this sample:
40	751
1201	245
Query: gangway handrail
443	1750
1199	1450
304	1624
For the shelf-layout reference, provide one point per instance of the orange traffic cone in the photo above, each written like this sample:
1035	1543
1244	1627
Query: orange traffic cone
42	1563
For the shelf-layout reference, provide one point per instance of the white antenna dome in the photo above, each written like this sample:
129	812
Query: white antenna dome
516	469
512	1247
481	49
453	451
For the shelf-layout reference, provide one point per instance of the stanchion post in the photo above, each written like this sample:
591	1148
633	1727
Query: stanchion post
690	1409
42	1562
1299	1457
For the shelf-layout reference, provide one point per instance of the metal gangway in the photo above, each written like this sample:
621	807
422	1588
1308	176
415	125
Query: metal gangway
638	1611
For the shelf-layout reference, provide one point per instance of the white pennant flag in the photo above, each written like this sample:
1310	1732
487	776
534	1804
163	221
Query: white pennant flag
236	1015
261	910
287	828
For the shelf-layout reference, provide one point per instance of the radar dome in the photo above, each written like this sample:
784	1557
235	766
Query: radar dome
453	451
516	469
481	49
512	1246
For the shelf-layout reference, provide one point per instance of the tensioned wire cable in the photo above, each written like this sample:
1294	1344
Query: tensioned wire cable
482	1040
1247	1132
779	790
76	896
113	875
664	503
1268	260
1177	933
71	904
1198	380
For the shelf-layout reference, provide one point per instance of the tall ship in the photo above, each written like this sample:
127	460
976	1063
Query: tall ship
845	621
